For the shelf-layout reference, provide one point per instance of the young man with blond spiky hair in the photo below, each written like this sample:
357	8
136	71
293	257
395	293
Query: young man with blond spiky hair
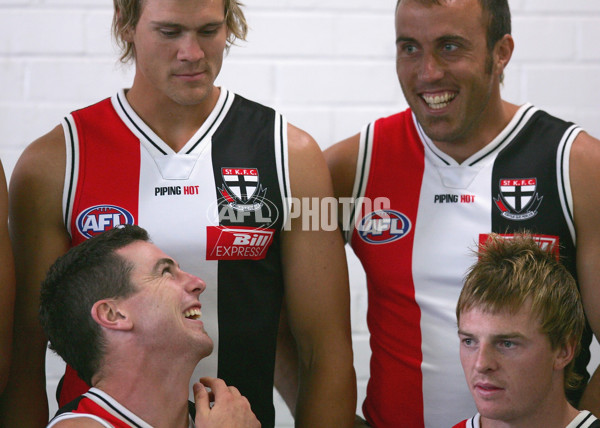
520	321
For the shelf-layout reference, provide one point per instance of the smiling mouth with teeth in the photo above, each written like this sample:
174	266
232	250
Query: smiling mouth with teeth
437	102
193	314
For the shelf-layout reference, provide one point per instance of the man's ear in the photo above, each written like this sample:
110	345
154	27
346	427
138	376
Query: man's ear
108	314
127	34
503	52
565	354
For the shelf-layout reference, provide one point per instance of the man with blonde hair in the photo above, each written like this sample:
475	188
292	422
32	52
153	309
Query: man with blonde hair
210	175
520	321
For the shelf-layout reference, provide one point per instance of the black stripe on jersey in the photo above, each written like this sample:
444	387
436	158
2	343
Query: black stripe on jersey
114	408
509	136
211	126
137	127
590	421
283	165
72	177
362	177
425	139
250	292
561	171
582	423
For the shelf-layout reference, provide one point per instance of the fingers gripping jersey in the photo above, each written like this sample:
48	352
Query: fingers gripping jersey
217	207
417	249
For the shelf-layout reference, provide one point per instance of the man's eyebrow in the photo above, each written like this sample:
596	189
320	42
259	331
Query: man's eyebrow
177	25
453	38
164	261
442	39
404	39
503	336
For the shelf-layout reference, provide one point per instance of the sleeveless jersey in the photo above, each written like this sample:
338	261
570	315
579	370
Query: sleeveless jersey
217	207
422	216
583	420
101	407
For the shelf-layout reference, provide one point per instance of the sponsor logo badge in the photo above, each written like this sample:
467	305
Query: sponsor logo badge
237	243
383	226
518	198
550	243
242	189
100	218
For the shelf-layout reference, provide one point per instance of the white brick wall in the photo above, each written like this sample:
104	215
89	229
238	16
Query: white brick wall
327	64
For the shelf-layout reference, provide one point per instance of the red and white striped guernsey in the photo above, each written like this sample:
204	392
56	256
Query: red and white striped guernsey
217	207
101	407
417	250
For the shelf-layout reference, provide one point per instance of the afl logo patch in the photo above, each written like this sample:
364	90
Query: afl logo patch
101	218
384	226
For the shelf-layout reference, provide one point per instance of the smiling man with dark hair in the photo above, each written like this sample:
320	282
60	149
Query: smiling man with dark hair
127	318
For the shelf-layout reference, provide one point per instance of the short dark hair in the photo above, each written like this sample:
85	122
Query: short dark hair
85	274
511	271
497	13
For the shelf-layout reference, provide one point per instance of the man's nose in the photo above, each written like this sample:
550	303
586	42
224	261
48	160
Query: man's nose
486	358
431	68
190	48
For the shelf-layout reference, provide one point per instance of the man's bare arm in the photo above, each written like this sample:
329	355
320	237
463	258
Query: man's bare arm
585	176
7	285
39	237
317	297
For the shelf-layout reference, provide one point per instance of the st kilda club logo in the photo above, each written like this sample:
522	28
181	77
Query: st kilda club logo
518	198
242	189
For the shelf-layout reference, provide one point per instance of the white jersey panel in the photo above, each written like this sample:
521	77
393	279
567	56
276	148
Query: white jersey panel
444	227
187	245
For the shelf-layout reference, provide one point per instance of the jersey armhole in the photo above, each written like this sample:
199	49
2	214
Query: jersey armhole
283	167
361	178
79	415
563	177
71	169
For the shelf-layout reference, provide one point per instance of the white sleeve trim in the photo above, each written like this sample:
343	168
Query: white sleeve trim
361	177
563	177
79	415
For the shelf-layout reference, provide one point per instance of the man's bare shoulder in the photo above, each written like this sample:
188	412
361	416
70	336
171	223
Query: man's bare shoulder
585	146
300	141
341	159
584	175
42	164
37	181
308	171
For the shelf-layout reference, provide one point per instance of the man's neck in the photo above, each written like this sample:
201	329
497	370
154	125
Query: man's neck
174	123
483	133
155	391
557	416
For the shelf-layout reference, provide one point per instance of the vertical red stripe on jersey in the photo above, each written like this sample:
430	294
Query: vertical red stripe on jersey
101	134
394	392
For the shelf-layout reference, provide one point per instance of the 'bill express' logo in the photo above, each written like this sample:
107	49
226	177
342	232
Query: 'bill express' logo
100	218
237	243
